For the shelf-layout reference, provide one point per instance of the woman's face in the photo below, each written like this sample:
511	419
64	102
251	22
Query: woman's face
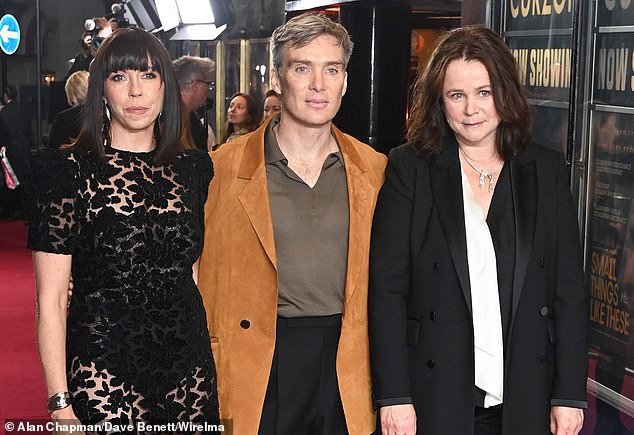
468	103
272	105
135	99
237	112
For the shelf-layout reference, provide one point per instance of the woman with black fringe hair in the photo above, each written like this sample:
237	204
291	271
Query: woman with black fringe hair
121	211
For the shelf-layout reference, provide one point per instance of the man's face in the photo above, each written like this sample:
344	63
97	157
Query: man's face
312	81
200	89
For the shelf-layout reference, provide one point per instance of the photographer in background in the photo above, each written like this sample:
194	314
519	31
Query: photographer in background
117	18
83	58
97	29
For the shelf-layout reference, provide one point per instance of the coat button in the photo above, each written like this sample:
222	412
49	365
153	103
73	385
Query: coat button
436	266
432	315
245	324
431	364
543	311
542	263
542	358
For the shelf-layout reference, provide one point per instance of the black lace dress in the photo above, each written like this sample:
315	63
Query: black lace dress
137	345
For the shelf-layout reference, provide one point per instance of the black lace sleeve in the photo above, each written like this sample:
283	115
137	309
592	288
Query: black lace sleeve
49	196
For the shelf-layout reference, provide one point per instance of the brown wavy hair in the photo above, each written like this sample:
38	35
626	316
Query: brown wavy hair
428	127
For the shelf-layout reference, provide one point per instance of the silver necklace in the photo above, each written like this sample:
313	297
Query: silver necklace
484	173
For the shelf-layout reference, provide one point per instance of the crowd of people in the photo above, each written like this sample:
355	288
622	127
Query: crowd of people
294	280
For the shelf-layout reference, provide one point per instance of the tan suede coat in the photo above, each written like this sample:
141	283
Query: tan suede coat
238	280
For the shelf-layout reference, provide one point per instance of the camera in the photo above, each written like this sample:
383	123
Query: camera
93	27
100	27
117	18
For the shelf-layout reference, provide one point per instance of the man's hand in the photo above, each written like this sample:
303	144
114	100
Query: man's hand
398	420
565	420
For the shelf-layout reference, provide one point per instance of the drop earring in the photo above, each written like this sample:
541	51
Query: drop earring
105	129
106	111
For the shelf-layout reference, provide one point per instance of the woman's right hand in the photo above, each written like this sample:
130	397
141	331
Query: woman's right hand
398	420
66	418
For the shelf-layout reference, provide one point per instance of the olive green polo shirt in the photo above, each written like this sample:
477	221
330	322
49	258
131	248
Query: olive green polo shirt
310	226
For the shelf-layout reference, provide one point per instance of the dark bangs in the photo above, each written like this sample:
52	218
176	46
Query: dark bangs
129	51
135	49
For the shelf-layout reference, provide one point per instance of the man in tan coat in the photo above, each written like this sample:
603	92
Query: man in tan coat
284	271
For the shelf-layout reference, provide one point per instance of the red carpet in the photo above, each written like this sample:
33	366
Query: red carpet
22	390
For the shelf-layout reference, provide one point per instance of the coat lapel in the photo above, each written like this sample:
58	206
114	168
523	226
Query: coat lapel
447	189
524	191
254	198
254	195
360	196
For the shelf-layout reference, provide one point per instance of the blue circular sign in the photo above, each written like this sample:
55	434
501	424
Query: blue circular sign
9	34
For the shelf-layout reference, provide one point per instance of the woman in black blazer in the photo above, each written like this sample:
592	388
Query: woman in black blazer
477	301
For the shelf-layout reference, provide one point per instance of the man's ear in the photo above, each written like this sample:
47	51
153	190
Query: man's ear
275	81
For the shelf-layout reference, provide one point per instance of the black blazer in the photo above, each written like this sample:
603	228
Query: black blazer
66	127
199	131
421	331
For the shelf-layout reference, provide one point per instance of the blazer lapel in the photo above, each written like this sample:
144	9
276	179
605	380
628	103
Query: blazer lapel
524	191
447	189
360	197
254	196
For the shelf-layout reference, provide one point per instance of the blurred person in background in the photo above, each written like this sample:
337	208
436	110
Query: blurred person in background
67	123
195	79
97	30
84	57
242	116
272	104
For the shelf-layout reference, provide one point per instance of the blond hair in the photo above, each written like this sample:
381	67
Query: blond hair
77	88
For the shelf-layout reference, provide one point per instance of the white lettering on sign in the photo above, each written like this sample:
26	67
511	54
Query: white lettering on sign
527	8
611	4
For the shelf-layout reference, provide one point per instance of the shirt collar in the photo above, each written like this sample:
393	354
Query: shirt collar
272	151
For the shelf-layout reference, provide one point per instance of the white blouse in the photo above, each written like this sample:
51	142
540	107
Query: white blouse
485	301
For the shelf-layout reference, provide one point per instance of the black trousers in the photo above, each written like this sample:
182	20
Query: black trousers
302	397
488	421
